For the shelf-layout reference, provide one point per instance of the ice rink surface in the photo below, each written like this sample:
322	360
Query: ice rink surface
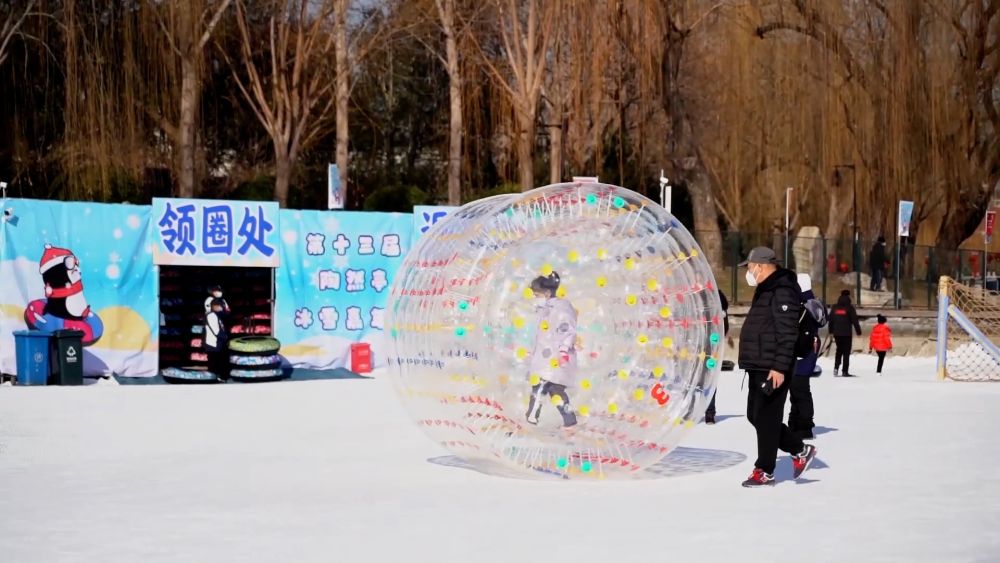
334	471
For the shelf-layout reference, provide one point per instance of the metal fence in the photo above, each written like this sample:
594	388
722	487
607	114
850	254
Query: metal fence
841	264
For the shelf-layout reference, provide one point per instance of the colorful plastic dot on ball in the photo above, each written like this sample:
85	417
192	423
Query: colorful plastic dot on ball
534	379
642	339
460	331
688	424
667	342
521	353
591	199
518	322
618	202
658	372
509	212
544	325
629	263
585	467
528	294
681	256
557	400
602	281
561	462
684	353
561	292
665	312
584	384
463	305
538	213
554	363
584	410
631	299
694	254
622	374
651	284
487	330
573	256
638	394
546	269
714	338
393	332
503	379
602	254
612	408
710	363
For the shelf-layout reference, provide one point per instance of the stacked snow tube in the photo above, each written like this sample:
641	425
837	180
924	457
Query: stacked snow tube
255	359
189	375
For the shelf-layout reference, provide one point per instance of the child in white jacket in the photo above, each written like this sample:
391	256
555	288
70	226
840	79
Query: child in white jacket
553	360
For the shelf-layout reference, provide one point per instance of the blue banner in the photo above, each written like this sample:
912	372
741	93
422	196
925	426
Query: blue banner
425	216
905	216
86	267
332	286
197	232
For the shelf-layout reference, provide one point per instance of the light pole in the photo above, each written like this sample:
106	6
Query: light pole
856	252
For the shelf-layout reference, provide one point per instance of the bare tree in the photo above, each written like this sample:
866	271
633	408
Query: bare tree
11	27
291	93
343	94
188	30
527	31
446	15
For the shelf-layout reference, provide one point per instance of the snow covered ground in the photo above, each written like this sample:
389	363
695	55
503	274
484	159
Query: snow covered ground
334	471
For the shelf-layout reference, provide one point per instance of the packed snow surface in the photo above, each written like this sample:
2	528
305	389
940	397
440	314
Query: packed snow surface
334	471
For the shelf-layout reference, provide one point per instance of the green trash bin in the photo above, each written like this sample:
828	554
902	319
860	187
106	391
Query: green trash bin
66	357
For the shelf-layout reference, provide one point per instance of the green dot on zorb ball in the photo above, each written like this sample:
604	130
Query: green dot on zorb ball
487	330
463	305
393	332
561	462
710	363
619	202
591	199
510	212
714	338
585	467
460	331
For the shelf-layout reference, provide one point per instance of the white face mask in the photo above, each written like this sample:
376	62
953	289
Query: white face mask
217	294
751	279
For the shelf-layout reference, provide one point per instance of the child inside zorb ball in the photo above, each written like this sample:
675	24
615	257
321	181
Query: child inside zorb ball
553	360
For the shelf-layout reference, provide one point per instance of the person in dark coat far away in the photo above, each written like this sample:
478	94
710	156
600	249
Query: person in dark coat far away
842	318
767	353
876	261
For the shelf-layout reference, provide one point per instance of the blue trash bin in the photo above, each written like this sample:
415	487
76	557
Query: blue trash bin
32	351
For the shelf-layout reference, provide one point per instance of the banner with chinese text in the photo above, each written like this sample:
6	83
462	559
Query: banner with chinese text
333	283
201	232
86	267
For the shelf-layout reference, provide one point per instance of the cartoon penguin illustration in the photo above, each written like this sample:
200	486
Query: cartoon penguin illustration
60	271
64	306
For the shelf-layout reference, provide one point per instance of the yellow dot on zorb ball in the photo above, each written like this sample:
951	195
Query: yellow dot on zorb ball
622	374
534	379
602	254
544	325
602	281
518	322
573	256
584	410
681	256
561	292
631	299
658	371
612	408
667	342
584	384
651	284
557	400
521	353
629	263
546	269
642	339
528	294
665	312
554	363
638	394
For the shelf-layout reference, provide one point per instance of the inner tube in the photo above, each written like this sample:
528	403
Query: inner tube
257	376
256	361
254	345
189	375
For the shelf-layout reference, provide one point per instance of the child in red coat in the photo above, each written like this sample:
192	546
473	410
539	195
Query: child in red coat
880	341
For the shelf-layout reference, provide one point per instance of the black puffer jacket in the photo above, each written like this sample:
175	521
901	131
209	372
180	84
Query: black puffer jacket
767	339
843	317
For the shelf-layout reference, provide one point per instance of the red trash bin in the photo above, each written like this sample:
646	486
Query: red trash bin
361	357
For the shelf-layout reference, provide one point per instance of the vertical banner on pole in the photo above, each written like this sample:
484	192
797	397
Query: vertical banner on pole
902	230
991	221
335	194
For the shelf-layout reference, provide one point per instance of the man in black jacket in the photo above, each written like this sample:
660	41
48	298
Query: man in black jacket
877	260
767	353
842	318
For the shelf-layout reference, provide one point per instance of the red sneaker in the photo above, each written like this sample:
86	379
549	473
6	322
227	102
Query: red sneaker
801	462
759	479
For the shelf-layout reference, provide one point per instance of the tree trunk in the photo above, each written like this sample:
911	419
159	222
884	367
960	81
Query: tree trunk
706	216
455	95
283	175
556	144
190	91
343	93
525	150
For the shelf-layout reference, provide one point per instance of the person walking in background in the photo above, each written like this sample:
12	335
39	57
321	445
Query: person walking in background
876	261
767	353
880	341
800	417
842	318
710	411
